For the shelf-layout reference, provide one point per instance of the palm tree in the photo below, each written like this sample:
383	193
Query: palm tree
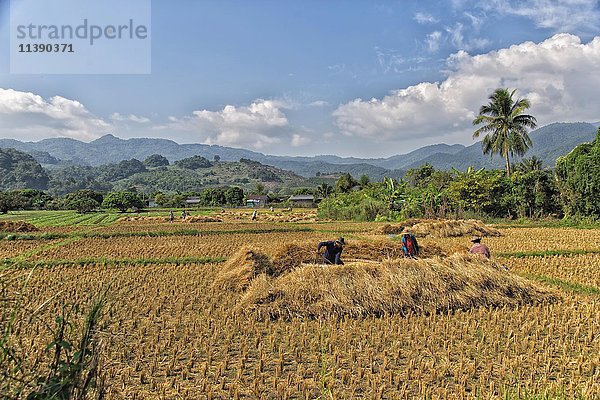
505	126
530	164
324	190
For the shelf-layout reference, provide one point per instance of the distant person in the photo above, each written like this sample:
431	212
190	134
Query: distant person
410	247
222	210
171	216
183	215
272	209
479	248
333	251
254	215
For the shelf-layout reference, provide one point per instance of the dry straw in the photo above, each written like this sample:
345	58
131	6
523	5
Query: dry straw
17	226
441	228
399	286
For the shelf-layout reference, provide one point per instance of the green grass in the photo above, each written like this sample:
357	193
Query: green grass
546	253
180	232
43	219
24	256
82	262
565	285
558	223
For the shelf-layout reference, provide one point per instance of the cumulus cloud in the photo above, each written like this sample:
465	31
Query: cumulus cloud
558	75
129	118
557	15
28	116
257	125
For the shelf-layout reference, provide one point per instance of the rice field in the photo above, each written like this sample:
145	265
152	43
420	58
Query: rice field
170	332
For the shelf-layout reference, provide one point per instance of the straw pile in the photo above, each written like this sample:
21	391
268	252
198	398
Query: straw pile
264	214
249	262
400	286
190	219
17	226
441	228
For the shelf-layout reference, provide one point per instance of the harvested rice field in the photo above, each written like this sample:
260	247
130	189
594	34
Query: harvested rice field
243	309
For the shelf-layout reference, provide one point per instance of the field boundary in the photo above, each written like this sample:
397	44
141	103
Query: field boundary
546	253
82	262
565	285
181	232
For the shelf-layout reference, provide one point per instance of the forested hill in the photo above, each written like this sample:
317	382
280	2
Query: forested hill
550	142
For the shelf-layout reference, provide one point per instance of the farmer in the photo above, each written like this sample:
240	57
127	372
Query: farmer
479	248
410	247
183	215
171	216
254	215
333	251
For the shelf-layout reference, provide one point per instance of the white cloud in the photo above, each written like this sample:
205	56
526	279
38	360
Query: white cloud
432	42
319	103
558	15
558	75
129	118
299	140
424	18
257	125
29	116
456	36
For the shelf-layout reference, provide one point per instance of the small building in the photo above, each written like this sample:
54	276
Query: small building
302	200
192	201
151	203
256	201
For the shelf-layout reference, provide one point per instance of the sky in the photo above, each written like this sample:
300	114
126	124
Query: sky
365	78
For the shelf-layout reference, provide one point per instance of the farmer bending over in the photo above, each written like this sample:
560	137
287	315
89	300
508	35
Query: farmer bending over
410	247
333	251
479	248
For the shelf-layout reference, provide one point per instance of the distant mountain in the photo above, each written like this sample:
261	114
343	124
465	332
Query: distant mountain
19	170
550	142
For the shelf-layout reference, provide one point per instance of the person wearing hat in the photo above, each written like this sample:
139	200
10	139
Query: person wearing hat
479	248
333	251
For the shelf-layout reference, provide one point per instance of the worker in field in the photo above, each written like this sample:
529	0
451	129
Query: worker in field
410	247
184	215
479	248
254	215
171	216
333	251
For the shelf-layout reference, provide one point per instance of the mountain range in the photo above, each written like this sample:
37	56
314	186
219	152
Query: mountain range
549	143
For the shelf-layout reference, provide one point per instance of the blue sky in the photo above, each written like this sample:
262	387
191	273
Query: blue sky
361	78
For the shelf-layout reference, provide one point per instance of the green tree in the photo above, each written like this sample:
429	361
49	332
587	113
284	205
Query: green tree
420	177
170	200
530	164
195	162
83	201
324	190
481	191
364	181
260	189
578	176
217	158
19	170
345	183
156	160
123	201
234	196
505	125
